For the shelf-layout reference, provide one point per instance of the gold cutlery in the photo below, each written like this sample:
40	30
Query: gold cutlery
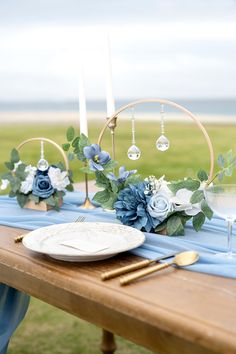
19	238
181	260
138	265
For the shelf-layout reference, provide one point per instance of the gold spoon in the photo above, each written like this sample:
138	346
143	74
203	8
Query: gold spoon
181	260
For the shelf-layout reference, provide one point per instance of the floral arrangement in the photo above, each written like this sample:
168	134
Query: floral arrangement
28	183
151	204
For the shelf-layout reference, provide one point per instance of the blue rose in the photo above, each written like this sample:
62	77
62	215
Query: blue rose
159	206
42	186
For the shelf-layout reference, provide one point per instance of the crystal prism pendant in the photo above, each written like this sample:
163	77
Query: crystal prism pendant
134	152
162	143
42	165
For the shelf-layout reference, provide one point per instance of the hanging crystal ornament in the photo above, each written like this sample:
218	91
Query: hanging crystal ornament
133	152
42	163
162	142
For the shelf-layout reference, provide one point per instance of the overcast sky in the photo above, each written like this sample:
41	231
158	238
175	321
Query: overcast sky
168	48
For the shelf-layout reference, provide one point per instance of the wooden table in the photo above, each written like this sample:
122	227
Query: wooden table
173	312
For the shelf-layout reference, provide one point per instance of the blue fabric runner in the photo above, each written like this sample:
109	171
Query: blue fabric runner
211	239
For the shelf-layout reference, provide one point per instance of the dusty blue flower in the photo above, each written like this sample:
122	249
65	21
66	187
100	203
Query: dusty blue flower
97	158
159	206
42	186
123	175
131	208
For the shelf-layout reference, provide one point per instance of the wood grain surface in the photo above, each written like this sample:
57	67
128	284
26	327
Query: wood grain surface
171	312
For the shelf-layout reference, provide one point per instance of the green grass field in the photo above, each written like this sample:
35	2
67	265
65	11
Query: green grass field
49	330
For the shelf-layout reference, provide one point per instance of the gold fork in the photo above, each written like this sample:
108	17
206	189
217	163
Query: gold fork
19	238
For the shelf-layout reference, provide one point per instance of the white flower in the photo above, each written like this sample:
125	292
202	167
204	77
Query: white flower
59	179
181	202
159	206
4	184
27	184
155	185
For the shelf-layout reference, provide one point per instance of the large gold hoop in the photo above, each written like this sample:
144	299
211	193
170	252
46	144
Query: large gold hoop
50	142
173	104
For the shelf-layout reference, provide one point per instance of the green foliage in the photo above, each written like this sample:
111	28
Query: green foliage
70	133
198	221
175	225
226	164
188	183
197	197
202	175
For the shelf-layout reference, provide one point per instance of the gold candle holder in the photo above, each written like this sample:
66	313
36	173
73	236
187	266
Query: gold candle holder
87	204
112	125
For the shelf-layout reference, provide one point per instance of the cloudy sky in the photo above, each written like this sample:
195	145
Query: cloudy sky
160	48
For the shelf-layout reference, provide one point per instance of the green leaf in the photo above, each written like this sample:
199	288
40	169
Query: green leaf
202	175
110	165
220	176
191	184
70	156
229	171
101	179
229	156
15	157
174	226
102	197
109	204
22	199
75	142
196	197
70	188
133	179
198	221
160	227
66	146
9	165
70	133
221	161
114	187
83	141
35	198
12	194
50	201
80	156
206	210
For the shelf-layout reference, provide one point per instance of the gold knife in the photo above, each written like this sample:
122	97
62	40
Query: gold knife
138	265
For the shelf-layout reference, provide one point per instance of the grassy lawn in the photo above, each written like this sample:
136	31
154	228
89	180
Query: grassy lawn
48	330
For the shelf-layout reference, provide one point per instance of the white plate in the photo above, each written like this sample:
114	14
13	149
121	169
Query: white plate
113	238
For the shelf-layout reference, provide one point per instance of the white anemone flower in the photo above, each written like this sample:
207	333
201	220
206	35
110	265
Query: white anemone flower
4	184
181	202
59	179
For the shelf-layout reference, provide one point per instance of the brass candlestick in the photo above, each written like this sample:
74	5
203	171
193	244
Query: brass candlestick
87	202
112	125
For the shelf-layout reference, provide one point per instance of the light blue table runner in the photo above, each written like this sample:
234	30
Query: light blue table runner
211	239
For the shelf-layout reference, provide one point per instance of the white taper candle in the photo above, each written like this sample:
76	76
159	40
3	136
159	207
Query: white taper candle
109	87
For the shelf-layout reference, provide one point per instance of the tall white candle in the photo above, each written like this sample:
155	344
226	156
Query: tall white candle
109	88
82	106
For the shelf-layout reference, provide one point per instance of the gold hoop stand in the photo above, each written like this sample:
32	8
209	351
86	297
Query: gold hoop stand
166	102
42	206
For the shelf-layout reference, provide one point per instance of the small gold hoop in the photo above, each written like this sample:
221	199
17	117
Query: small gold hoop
173	104
50	142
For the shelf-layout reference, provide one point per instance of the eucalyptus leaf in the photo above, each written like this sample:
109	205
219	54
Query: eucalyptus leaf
229	156
202	175
75	142
9	165
83	141
102	197
109	204
198	221
221	161
70	156
101	179
220	176
70	133
196	197
15	157
35	198
66	146
191	184
110	165
175	226
206	210
21	199
229	171
50	201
